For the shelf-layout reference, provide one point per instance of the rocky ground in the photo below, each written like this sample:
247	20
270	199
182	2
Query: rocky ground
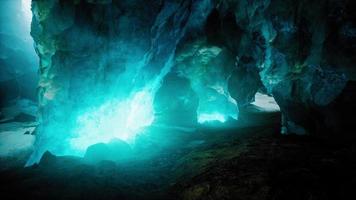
280	167
248	161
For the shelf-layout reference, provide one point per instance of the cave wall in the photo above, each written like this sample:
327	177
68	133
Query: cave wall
300	52
222	52
97	55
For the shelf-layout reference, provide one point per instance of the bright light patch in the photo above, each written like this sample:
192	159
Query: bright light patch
26	16
266	103
211	117
218	108
26	9
114	120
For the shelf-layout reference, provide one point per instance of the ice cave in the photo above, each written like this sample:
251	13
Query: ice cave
178	99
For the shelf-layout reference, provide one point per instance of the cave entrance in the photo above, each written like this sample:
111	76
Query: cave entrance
262	111
265	103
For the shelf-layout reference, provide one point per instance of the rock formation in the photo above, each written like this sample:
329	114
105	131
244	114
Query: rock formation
119	59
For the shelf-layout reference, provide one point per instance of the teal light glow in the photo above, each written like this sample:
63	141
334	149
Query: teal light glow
114	120
211	117
207	68
118	119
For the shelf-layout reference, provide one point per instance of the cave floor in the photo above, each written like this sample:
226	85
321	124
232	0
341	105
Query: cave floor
251	161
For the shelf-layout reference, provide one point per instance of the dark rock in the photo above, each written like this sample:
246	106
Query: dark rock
23	117
48	159
178	111
115	150
243	85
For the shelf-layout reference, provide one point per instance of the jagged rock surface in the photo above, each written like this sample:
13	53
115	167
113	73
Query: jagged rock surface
301	52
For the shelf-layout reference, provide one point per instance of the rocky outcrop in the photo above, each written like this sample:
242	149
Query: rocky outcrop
183	110
97	53
288	45
105	52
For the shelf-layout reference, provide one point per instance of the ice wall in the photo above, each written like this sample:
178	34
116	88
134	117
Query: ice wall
101	65
109	68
